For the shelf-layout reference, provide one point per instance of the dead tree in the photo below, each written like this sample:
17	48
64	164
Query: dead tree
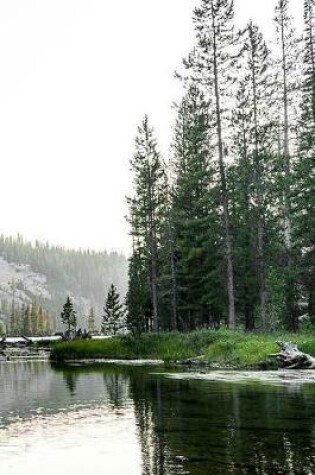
291	357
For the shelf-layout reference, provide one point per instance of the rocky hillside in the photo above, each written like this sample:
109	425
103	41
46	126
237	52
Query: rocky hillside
47	274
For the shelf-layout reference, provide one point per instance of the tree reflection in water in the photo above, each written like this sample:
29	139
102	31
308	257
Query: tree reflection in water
201	428
208	427
117	387
70	378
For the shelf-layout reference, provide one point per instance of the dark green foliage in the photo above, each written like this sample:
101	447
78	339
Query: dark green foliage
250	178
167	279
68	315
305	167
227	235
113	318
196	220
146	211
138	296
211	66
288	84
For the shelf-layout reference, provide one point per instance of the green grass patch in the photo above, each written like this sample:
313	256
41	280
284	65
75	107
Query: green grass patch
80	349
223	346
247	349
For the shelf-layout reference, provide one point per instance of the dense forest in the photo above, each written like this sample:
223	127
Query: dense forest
223	228
83	274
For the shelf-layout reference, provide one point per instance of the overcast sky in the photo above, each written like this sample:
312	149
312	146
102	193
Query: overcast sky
76	78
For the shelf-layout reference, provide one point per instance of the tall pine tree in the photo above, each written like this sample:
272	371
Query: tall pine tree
145	210
287	99
195	211
210	65
305	176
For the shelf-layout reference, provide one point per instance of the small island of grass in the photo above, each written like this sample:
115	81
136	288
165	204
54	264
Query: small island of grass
216	348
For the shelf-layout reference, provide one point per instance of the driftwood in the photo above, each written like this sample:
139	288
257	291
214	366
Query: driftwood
291	357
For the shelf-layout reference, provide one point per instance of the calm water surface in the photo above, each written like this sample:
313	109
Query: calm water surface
138	421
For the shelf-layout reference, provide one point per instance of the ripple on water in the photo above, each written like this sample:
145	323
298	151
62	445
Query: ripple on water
281	377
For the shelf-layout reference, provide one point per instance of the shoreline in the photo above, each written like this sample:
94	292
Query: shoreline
205	349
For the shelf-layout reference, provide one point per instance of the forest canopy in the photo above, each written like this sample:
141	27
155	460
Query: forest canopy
223	227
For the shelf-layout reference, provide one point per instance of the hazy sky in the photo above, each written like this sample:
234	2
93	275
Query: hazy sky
76	78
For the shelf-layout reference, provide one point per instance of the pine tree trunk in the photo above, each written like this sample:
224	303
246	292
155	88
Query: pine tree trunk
173	275
258	186
286	192
310	14
155	323
224	193
171	250
174	293
248	307
153	269
151	232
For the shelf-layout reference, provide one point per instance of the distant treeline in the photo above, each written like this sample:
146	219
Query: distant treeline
26	319
86	275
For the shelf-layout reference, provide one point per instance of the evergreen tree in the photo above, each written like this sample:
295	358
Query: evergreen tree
168	291
91	320
287	90
47	319
34	317
68	315
41	324
14	323
14	320
145	208
195	214
210	65
247	285
27	320
304	173
256	75
138	296
241	194
113	317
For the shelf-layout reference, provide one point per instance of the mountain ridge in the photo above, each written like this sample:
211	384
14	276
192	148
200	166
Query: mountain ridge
46	274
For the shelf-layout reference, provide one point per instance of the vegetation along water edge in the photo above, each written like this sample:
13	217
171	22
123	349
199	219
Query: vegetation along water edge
213	348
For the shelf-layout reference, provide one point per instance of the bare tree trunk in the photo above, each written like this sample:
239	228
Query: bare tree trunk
286	188
258	185
155	323
171	242
286	147
224	192
291	358
248	310
152	247
310	16
173	278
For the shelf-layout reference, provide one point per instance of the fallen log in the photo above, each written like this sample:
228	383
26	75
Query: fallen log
291	357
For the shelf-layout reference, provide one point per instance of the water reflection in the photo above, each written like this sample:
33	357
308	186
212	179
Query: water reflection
70	379
194	427
132	421
110	384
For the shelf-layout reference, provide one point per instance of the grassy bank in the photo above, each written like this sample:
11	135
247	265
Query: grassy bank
222	347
